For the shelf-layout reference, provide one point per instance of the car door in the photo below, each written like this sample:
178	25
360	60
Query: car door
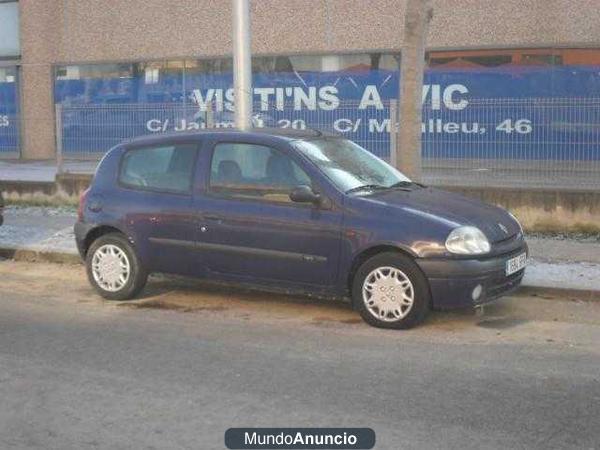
155	182
250	228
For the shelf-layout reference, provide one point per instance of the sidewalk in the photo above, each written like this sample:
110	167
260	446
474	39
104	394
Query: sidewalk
41	171
564	263
559	265
39	229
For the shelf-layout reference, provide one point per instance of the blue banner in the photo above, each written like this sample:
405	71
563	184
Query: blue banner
9	117
517	112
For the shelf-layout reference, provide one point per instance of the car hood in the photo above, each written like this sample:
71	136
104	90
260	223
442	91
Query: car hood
447	208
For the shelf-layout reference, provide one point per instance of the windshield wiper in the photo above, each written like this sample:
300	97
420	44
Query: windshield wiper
374	187
365	187
402	184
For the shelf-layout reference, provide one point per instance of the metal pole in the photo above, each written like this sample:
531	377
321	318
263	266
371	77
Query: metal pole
59	139
210	118
242	65
393	131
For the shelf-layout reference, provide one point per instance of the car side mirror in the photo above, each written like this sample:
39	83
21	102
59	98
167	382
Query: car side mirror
304	194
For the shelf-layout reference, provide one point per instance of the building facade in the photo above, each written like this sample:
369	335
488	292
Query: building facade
117	66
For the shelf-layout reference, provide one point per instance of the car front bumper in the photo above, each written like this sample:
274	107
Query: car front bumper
452	281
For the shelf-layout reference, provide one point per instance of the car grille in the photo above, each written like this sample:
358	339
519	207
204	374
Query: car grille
508	245
508	238
500	285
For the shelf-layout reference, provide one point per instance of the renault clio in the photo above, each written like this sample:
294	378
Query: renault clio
298	210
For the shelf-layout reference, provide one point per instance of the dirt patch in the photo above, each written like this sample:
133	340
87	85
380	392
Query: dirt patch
501	323
160	304
352	321
324	321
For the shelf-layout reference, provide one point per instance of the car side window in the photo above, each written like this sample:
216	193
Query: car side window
254	171
167	168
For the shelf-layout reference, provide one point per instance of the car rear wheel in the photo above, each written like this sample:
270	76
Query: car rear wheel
390	291
114	269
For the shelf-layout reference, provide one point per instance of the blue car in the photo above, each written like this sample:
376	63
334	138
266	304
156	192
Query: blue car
294	210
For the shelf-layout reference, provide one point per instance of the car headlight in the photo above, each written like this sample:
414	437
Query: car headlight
467	241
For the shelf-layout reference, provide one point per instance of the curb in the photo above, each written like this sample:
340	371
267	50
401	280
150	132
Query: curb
555	293
30	255
547	293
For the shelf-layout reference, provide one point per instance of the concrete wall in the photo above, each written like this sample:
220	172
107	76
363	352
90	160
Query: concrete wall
76	31
537	210
40	25
89	30
545	210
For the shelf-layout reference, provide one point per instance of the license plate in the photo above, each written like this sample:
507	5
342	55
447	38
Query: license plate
515	264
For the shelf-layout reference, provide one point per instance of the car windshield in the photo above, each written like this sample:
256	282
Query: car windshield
350	167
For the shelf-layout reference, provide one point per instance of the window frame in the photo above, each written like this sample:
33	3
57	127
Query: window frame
195	144
225	195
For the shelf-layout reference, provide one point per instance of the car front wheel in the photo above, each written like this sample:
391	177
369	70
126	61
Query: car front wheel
114	269
390	291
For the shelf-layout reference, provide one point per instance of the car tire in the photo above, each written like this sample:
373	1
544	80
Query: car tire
114	269
390	291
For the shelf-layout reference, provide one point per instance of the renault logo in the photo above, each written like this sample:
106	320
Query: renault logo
503	228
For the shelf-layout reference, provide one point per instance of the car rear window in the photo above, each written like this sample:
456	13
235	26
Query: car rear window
167	168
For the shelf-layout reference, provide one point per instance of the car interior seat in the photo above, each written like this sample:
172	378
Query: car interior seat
229	172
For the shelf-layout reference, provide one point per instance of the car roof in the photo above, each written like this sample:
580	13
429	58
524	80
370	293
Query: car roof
283	134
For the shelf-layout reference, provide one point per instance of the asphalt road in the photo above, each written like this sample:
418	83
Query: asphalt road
180	366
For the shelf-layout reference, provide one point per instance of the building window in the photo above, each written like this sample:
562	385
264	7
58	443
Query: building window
211	80
541	59
152	75
9	29
8	75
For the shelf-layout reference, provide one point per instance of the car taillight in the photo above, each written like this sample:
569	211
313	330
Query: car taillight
82	199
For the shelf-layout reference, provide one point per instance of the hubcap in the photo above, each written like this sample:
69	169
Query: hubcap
110	267
388	294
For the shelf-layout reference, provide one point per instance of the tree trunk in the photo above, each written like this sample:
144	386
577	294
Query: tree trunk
408	149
